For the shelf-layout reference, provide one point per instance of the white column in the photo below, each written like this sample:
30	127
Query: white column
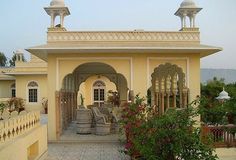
194	17
52	20
191	21
62	19
184	18
21	59
182	21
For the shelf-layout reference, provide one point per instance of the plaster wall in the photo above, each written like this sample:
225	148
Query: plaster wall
136	68
5	86
22	91
86	89
18	148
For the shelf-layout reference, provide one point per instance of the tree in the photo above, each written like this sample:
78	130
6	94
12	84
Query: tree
13	60
3	60
211	110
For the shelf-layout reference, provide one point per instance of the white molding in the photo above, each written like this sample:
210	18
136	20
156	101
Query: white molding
167	58
130	85
123	36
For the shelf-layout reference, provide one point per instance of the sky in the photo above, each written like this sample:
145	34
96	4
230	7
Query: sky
24	22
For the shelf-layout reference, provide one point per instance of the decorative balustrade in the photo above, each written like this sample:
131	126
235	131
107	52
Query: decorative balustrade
16	125
222	136
116	36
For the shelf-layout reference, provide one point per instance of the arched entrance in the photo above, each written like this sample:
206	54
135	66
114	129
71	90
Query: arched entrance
168	87
67	97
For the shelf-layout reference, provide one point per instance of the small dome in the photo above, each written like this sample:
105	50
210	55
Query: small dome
19	51
223	96
57	3
188	4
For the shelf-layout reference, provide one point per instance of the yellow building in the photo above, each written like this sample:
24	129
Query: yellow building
94	62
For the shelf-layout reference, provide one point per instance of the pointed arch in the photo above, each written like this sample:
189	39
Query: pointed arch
169	87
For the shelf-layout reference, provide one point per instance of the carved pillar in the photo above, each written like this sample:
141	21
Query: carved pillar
156	102
181	98
58	114
174	99
162	102
185	97
167	100
159	103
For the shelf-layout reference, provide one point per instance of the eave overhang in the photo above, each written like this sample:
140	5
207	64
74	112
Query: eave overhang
25	73
136	42
43	51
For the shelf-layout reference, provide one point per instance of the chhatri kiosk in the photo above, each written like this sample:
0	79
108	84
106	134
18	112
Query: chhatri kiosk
130	62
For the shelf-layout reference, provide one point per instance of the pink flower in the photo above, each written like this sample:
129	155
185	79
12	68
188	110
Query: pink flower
128	145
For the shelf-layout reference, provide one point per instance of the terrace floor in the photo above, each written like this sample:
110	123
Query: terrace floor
73	146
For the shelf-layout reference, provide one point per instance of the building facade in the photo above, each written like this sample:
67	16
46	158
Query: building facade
91	63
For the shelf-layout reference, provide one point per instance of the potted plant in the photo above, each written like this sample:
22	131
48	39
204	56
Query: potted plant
114	98
81	101
45	105
16	104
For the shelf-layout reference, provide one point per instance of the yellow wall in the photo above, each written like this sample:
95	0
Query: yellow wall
5	91
16	149
22	91
86	89
137	69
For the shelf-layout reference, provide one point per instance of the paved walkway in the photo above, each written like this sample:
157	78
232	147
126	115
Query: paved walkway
73	146
86	151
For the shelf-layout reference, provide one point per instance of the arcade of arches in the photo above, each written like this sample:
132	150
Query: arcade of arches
91	81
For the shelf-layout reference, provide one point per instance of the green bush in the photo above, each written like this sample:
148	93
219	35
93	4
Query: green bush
2	107
167	137
172	137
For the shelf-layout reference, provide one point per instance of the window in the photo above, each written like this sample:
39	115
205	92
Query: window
13	90
32	92
99	93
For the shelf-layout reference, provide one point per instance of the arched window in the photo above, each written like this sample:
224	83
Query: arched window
13	90
32	92
99	93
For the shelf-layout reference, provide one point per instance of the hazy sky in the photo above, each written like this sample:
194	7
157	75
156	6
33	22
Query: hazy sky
24	22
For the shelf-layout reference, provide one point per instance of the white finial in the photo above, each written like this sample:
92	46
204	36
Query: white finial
57	3
188	4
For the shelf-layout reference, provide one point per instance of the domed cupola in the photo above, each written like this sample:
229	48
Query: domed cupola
223	95
189	9
57	8
188	4
57	3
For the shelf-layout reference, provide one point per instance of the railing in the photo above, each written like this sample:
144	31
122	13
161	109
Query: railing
122	36
222	136
18	125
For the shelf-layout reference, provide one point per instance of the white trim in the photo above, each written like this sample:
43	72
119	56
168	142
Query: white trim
26	73
130	85
27	93
167	58
131	74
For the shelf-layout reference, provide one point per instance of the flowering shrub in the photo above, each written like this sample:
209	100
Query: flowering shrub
163	137
133	115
